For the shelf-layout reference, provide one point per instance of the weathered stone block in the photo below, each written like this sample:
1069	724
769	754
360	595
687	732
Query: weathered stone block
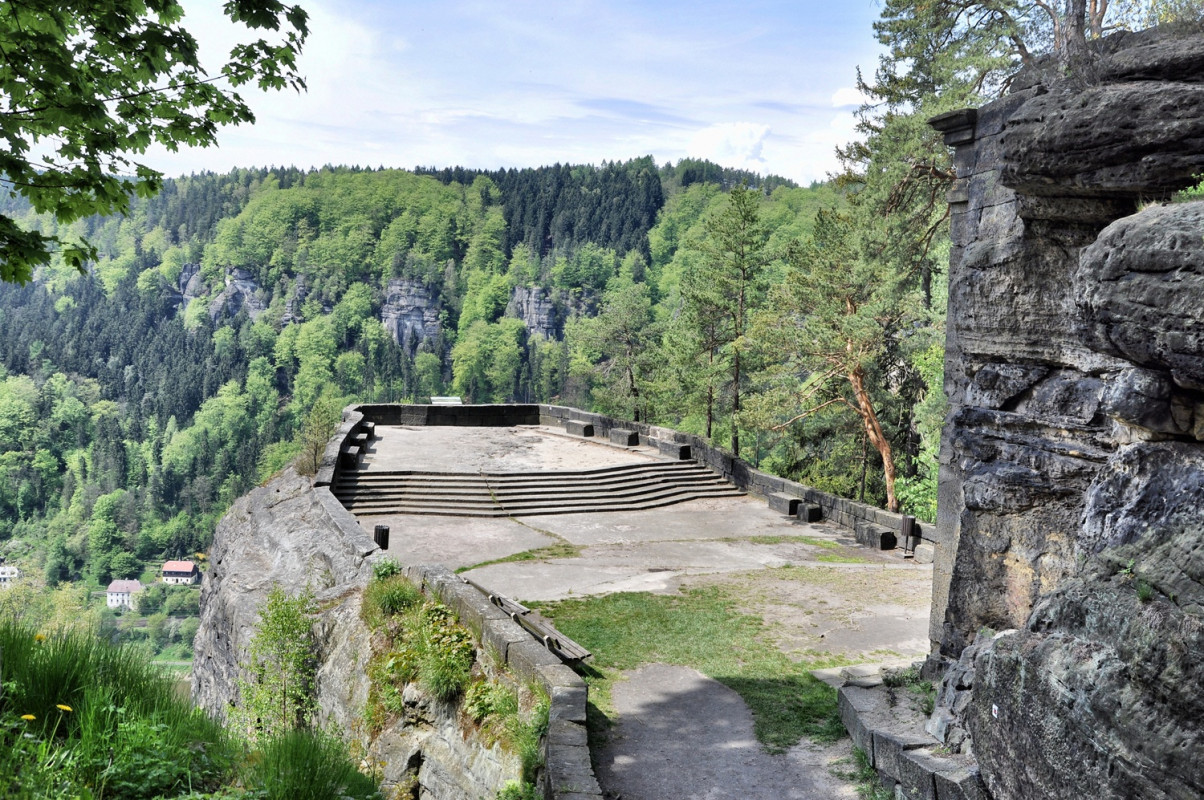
474	608
962	784
525	658
569	702
624	437
675	450
576	427
925	553
809	512
854	702
784	504
500	634
871	534
890	747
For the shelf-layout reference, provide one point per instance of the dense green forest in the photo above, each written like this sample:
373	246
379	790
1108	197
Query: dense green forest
139	400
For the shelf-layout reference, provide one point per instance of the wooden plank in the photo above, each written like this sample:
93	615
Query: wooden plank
534	624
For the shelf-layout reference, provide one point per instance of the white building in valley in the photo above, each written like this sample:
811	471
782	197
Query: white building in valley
120	594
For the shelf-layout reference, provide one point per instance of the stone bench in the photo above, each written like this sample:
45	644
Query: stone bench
674	450
350	458
624	437
784	503
578	428
809	512
871	534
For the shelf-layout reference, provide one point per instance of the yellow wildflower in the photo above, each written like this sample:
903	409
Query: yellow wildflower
39	637
28	717
63	707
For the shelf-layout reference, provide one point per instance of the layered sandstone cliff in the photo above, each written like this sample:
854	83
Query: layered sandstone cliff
1071	577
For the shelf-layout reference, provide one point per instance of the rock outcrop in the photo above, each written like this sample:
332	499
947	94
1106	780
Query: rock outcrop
1072	483
542	315
410	312
241	292
293	535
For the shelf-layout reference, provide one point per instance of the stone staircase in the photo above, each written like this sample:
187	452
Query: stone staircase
629	487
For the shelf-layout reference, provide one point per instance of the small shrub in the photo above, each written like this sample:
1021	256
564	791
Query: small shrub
513	790
485	699
896	678
1191	193
385	568
1145	591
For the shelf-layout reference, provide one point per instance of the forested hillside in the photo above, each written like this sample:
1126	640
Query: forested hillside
230	317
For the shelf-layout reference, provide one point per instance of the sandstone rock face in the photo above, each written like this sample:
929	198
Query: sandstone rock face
1132	126
282	535
241	292
538	311
292	535
410	312
1072	466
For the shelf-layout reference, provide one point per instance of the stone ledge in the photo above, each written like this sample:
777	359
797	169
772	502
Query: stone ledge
906	758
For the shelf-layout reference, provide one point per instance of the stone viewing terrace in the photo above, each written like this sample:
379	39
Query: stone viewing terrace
539	503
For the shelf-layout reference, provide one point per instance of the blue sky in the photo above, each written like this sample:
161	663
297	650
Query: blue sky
766	85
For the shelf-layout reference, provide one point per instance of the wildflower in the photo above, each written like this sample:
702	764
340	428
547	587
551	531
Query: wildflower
39	637
62	707
28	717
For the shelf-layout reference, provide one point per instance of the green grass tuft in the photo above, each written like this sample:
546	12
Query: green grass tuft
559	550
306	765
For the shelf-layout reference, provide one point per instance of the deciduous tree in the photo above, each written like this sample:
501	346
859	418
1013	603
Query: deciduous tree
86	86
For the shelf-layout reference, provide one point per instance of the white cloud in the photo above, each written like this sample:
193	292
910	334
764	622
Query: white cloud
732	144
848	97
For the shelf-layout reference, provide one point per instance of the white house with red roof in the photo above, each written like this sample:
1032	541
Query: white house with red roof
180	572
120	594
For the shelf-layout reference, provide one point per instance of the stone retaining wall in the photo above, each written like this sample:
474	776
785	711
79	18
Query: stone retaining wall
567	772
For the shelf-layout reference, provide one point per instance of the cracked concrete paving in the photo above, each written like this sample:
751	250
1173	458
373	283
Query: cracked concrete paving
678	735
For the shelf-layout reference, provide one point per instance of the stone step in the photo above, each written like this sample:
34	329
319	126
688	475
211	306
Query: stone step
528	482
527	488
663	467
495	511
537	500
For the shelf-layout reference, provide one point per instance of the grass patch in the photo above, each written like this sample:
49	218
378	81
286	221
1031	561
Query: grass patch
306	765
78	715
835	558
558	550
701	629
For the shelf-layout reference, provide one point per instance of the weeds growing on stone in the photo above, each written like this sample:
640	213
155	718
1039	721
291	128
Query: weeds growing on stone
869	785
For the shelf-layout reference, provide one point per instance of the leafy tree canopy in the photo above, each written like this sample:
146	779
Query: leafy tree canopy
87	85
